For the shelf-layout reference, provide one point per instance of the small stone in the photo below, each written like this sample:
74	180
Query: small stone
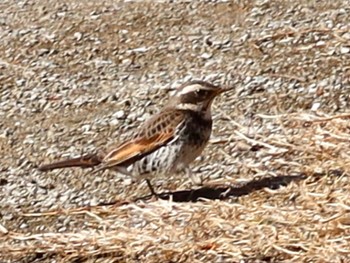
94	16
315	106
23	225
206	55
20	82
346	36
114	122
78	36
344	50
61	14
86	128
320	43
119	114
139	50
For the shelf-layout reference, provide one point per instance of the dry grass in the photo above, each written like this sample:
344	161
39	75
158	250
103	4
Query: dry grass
276	174
303	217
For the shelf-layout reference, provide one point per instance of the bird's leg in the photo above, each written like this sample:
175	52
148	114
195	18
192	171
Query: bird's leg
151	188
195	179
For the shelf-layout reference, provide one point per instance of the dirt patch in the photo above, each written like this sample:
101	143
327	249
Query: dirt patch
76	76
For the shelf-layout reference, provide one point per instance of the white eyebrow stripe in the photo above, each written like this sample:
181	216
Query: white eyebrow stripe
189	89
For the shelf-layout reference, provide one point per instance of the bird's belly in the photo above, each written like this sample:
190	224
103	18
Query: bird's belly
187	145
166	160
160	162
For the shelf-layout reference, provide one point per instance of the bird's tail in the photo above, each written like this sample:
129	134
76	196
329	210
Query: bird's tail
85	161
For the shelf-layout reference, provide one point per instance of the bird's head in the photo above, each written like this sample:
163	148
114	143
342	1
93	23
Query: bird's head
196	96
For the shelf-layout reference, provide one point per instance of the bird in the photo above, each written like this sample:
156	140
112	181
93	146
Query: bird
164	144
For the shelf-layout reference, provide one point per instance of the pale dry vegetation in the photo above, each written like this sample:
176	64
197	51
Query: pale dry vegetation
277	170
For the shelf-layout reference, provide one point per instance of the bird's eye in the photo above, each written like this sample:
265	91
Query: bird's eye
201	93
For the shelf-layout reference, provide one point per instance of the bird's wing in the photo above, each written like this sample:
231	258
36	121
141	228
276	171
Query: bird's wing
155	133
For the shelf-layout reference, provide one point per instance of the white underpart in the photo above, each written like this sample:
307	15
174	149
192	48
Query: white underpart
189	106
163	161
196	108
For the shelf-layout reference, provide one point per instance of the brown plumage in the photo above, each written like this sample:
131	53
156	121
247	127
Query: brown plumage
168	142
85	161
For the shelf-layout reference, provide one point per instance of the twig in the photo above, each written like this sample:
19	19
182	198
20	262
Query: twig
295	31
252	141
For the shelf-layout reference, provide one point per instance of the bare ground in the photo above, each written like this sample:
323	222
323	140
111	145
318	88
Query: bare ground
75	76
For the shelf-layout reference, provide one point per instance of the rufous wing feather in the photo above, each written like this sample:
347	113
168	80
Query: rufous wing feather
155	133
136	148
148	140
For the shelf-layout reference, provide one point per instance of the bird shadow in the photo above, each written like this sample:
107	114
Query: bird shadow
222	192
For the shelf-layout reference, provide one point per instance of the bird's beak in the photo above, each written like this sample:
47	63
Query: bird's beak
222	90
